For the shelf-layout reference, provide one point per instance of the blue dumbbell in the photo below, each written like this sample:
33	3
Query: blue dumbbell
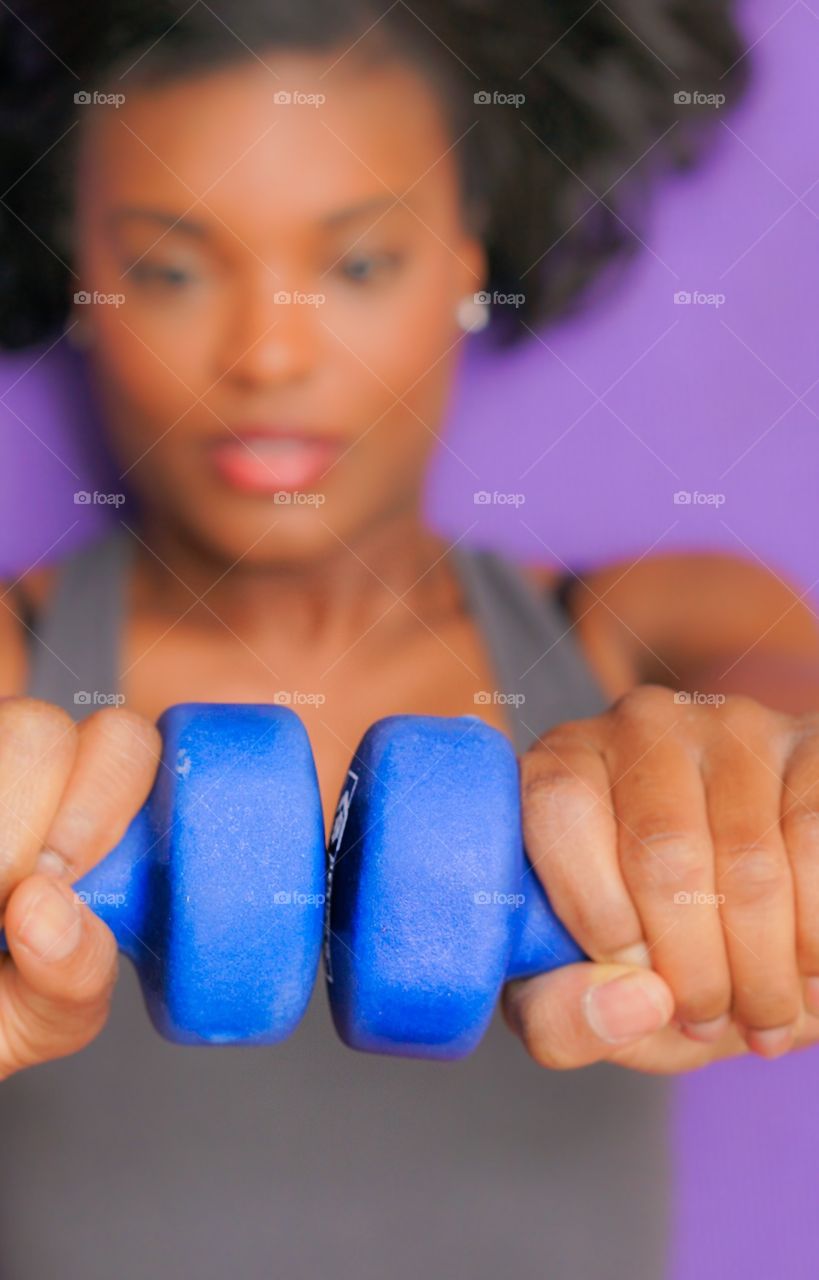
216	891
433	904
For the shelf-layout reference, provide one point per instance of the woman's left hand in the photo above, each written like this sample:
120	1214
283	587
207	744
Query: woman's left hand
680	834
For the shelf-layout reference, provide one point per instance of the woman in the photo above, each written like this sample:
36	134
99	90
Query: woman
286	218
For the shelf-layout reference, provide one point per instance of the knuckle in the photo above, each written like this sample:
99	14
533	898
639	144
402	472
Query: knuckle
802	819
94	978
126	733
766	1008
33	724
600	928
645	701
658	856
543	1039
701	1002
752	870
746	717
551	789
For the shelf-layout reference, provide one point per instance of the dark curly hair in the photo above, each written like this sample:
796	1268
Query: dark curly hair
612	93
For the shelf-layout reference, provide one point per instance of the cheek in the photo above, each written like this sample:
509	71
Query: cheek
405	345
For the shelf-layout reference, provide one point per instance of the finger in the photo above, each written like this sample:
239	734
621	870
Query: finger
571	839
37	750
117	757
800	830
54	997
666	856
743	776
585	1013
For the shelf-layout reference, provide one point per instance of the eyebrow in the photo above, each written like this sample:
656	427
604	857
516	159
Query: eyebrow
189	226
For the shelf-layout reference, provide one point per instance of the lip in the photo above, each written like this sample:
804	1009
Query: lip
266	460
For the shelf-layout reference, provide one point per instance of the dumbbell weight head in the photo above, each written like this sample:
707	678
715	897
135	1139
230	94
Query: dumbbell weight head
433	904
216	891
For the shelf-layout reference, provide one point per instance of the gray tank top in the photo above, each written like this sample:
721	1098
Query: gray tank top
138	1158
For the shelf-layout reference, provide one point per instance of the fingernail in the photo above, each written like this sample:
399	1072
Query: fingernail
50	863
708	1031
812	994
770	1042
624	1009
636	955
52	926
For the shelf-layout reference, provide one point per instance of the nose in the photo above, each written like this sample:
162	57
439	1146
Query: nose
270	336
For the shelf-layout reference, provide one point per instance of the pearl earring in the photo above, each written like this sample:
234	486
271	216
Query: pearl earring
472	312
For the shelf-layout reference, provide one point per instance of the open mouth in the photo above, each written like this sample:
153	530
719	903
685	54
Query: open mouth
268	464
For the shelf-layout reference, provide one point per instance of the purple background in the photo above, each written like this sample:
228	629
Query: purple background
597	424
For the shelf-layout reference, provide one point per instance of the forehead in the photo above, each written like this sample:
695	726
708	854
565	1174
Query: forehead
228	137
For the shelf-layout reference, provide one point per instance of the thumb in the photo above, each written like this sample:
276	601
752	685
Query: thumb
584	1012
54	997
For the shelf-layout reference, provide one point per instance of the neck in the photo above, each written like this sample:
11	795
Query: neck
396	575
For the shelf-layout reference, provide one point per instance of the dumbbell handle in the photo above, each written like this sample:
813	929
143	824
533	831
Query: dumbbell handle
541	942
118	889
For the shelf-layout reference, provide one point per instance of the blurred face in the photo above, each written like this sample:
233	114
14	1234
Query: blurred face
275	376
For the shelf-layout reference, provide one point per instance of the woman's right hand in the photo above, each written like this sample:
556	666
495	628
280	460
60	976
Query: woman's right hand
67	795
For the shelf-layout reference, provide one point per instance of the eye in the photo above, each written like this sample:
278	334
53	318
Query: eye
173	277
362	268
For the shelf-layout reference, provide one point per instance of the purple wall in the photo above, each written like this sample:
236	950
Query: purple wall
598	426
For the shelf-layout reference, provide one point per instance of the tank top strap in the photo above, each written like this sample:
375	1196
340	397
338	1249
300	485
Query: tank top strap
542	670
74	645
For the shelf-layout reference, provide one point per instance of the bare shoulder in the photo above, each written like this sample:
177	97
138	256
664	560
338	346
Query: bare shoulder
682	610
27	594
668	619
